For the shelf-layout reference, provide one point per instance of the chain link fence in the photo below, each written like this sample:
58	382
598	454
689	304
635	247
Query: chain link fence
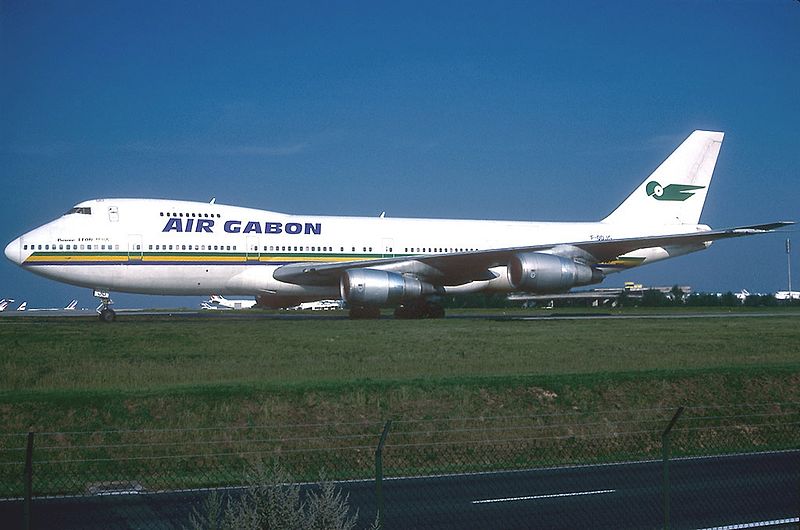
698	467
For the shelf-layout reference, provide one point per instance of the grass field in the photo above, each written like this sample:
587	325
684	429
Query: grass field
50	371
216	389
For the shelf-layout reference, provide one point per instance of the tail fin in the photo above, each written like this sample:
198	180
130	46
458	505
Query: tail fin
23	306
72	305
676	191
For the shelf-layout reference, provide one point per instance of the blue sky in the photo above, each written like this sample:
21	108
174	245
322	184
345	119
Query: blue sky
527	111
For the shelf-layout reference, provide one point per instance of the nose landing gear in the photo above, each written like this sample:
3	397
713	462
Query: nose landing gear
104	312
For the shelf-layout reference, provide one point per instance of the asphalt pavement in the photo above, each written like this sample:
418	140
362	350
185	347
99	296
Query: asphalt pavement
738	491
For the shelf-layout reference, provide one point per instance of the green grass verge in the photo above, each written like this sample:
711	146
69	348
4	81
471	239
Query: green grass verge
466	394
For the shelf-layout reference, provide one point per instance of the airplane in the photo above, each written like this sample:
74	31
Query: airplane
219	302
787	295
69	307
171	247
319	305
4	303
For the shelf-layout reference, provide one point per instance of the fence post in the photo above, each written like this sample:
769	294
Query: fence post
28	482
379	472
665	454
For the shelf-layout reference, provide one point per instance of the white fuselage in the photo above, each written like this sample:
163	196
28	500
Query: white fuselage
190	248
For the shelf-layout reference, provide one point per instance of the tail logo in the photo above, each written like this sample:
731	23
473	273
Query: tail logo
670	192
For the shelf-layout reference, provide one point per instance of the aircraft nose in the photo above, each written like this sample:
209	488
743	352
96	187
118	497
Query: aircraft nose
12	251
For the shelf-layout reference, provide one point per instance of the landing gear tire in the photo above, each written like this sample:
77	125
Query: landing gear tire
107	315
104	312
434	310
364	313
418	310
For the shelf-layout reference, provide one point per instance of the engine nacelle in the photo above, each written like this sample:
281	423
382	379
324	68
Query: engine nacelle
372	287
536	272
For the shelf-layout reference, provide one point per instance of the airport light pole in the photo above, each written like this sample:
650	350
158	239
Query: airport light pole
789	264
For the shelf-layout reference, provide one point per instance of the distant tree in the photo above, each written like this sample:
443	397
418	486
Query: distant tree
703	300
677	295
728	300
654	298
623	299
760	300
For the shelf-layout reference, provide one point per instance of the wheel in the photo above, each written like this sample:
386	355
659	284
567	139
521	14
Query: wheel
407	311
107	315
434	310
364	312
419	309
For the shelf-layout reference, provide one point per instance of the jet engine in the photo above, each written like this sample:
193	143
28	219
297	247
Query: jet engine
373	287
536	272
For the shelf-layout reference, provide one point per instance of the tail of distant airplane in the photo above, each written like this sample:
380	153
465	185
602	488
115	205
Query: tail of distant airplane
23	306
676	191
3	304
72	305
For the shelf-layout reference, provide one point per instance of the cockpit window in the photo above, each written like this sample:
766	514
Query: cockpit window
80	209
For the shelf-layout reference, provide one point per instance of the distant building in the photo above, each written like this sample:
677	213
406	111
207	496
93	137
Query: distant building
602	295
787	295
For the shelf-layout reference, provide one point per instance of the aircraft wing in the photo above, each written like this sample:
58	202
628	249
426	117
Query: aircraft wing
462	267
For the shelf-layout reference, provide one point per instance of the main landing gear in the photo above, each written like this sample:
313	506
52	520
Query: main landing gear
104	312
361	312
418	309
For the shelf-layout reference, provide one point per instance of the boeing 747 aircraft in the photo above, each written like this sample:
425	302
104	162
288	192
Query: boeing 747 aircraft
171	247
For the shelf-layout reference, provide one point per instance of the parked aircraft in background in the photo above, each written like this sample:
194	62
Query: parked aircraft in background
168	247
219	302
787	295
319	305
69	307
4	303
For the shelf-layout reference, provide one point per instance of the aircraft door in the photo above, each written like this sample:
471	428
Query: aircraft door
252	249
387	247
113	214
135	247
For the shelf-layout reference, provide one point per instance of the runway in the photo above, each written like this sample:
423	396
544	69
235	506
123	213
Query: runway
477	314
712	492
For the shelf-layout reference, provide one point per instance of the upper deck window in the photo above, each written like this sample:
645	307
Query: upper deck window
80	209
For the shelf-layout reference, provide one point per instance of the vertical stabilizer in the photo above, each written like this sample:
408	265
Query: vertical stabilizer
676	191
72	305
